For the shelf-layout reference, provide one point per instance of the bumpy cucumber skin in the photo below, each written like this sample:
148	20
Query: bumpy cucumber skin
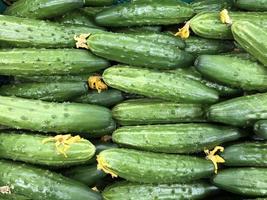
260	128
99	2
196	190
155	84
22	32
43	116
253	38
249	154
42	9
211	5
208	24
27	62
146	167
133	50
175	138
240	111
259	5
143	13
236	72
29	148
243	181
39	184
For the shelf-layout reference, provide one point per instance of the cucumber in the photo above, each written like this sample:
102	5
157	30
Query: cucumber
58	92
155	84
99	2
175	138
255	44
105	98
150	111
43	116
260	128
146	167
28	62
137	29
248	154
236	72
22	32
29	148
259	5
40	184
211	5
42	9
243	181
208	24
92	11
147	53
108	130
13	197
240	111
196	190
141	13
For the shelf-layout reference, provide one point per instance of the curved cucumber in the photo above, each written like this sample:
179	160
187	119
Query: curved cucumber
259	5
99	2
133	50
196	190
260	128
243	181
155	84
249	154
211	5
175	138
39	184
43	116
29	148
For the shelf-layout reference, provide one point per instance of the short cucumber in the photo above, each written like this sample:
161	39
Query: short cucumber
259	5
260	128
146	167
156	84
195	190
248	154
243	181
40	184
99	2
211	5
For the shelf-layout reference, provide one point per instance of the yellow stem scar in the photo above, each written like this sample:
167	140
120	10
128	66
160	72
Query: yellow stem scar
184	32
81	41
95	82
224	17
103	165
210	155
5	190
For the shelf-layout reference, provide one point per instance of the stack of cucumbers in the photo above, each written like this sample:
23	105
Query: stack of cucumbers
133	100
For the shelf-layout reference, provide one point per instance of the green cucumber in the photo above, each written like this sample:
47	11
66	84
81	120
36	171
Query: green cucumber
105	98
134	29
150	111
58	92
22	32
236	72
243	181
99	2
208	24
240	111
40	184
42	9
195	190
92	11
43	116
108	130
175	138
146	167
260	128
133	50
259	5
13	197
28	62
211	5
253	38
29	148
248	154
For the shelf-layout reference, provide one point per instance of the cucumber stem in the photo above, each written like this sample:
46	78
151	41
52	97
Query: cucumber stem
81	41
215	158
95	82
224	17
184	32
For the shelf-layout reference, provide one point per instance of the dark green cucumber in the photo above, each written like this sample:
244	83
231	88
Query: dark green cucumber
211	5
133	50
175	138
137	29
208	24
40	184
243	181
240	111
43	116
159	85
146	167
29	148
195	190
253	38
105	98
28	62
42	9
13	197
22	32
150	111
92	11
259	5
108	130
58	92
248	154
99	2
260	128
233	71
